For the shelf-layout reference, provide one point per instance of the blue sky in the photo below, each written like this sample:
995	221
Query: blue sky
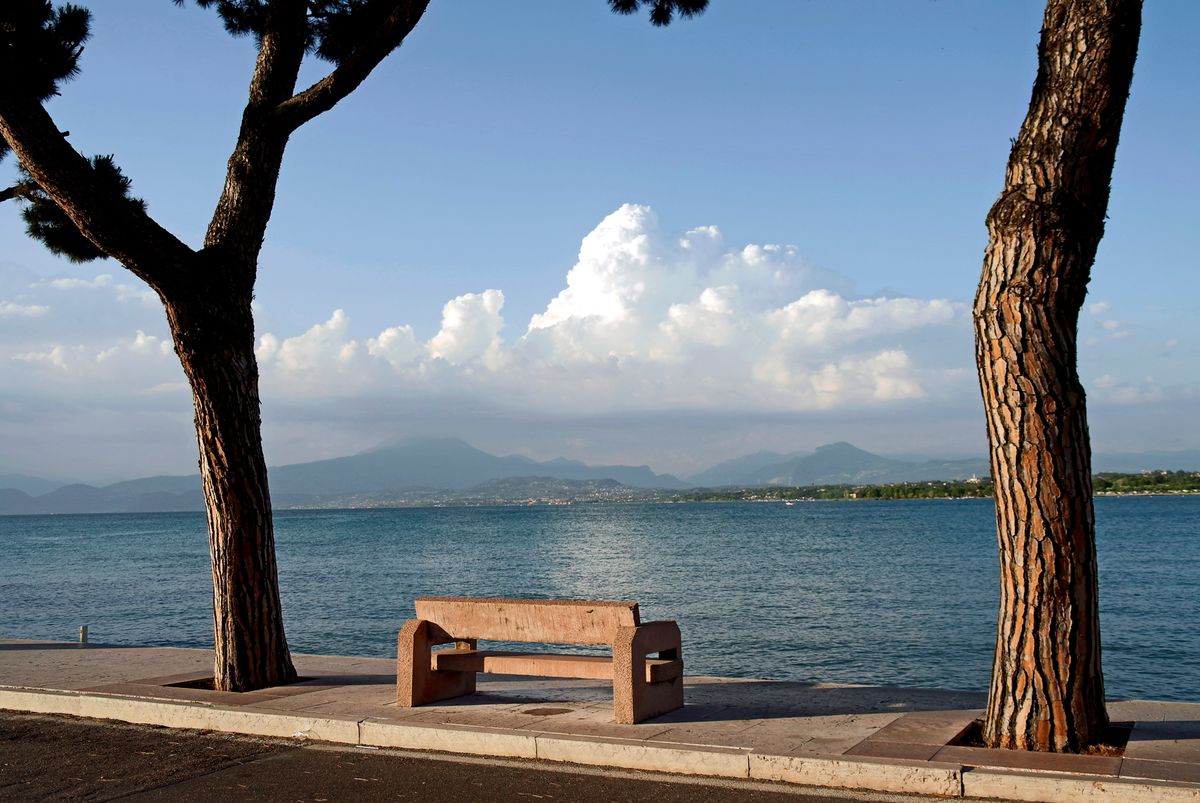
555	231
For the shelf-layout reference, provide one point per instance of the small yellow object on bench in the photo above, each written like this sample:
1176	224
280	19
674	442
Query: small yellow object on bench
643	687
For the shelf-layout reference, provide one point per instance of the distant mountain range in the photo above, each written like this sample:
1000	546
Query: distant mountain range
447	463
834	464
30	485
415	464
451	471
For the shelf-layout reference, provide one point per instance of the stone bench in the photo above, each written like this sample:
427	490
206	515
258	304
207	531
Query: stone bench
643	686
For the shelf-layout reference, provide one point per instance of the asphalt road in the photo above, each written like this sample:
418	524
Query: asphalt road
65	758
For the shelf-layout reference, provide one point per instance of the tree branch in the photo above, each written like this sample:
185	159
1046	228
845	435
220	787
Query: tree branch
240	219
280	52
116	227
345	78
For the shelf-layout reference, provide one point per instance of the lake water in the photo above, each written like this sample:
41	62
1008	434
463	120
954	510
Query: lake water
900	592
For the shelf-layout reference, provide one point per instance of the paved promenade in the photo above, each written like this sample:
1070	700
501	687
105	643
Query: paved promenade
882	739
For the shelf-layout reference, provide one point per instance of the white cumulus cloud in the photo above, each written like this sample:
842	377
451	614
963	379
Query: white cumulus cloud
322	346
122	292
396	344
470	332
129	365
687	321
649	319
75	283
9	309
56	356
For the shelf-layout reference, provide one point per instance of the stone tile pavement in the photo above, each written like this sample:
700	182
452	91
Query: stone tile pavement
878	738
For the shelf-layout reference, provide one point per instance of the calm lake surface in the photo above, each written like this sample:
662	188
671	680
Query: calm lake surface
900	592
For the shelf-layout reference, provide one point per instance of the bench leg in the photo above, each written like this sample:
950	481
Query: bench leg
634	699
416	682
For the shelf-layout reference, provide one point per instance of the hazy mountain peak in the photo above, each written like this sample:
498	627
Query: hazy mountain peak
841	447
439	462
838	463
34	486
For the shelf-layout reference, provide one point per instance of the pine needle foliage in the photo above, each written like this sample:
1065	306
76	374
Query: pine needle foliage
40	47
335	27
45	221
661	11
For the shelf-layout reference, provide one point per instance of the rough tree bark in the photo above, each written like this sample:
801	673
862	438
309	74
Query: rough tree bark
214	338
207	295
1047	688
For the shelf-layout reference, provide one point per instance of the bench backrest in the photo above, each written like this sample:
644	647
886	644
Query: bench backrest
553	621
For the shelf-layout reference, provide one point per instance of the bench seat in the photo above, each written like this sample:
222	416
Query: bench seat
645	667
547	665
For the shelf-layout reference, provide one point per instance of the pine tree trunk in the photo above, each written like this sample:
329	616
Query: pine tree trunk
1047	687
214	335
207	297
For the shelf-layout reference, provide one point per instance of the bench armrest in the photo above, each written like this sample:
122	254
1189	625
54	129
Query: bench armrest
634	698
650	637
417	682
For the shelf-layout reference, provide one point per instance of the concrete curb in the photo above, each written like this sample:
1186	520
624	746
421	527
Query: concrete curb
639	755
878	775
1052	788
169	714
873	774
448	739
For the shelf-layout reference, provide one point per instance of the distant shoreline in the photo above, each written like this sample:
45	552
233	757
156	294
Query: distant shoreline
677	501
548	491
583	503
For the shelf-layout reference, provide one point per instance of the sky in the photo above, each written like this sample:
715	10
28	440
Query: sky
554	231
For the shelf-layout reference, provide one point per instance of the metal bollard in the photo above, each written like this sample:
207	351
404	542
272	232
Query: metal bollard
83	634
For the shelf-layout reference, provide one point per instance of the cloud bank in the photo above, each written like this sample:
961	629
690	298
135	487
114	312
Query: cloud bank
648	320
649	330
